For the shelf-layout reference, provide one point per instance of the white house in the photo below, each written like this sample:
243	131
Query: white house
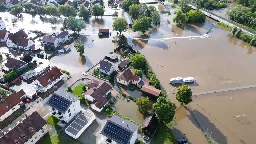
127	77
9	64
98	96
106	67
36	72
11	104
29	130
80	123
119	131
64	106
48	80
62	36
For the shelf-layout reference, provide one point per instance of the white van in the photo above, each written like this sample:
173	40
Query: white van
177	80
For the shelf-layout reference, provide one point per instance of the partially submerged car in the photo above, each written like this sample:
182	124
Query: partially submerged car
177	80
189	80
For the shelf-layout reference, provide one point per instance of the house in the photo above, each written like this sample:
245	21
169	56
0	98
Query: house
92	84
12	64
111	57
151	91
11	104
127	77
35	72
105	32
62	36
3	32
48	80
106	67
119	131
150	125
28	131
123	64
19	40
50	41
64	106
98	96
82	121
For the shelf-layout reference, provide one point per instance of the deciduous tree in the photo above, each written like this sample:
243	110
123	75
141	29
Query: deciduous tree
180	18
84	12
155	18
120	24
75	24
164	109
80	48
97	11
134	11
139	61
126	4
52	11
184	94
122	41
144	105
142	24
16	10
67	10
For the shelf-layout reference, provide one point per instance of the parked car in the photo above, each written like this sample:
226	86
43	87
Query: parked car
177	80
146	138
182	141
189	80
84	73
26	100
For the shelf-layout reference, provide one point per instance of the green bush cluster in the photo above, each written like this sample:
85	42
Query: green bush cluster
243	36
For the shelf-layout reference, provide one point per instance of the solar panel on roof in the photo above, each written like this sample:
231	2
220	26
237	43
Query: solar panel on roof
59	103
72	130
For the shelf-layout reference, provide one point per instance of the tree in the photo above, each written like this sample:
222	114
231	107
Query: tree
69	89
16	10
122	42
52	10
154	82
75	4
184	94
144	11
126	4
80	48
253	42
234	29
97	11
41	10
195	16
180	18
2	8
120	24
75	24
155	18
138	72
27	58
164	109
84	12
144	105
139	61
29	6
10	76
142	24
134	11
67	10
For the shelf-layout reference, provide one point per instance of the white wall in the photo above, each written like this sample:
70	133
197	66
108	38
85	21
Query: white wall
7	114
134	137
2	25
37	136
89	98
96	108
44	89
122	81
75	108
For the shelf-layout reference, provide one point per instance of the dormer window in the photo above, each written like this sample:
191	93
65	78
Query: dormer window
16	141
23	135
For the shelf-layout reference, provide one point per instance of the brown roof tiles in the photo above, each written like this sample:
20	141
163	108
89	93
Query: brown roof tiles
24	130
150	90
11	101
49	76
14	63
127	75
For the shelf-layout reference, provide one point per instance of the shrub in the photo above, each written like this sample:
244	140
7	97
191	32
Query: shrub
195	16
111	102
100	35
138	72
69	89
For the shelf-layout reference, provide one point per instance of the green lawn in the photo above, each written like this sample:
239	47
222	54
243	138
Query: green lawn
61	138
78	90
52	120
163	135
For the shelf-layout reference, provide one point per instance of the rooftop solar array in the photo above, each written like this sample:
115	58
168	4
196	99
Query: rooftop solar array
80	122
117	133
59	103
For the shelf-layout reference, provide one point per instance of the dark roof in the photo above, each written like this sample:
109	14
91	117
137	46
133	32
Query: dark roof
14	63
119	130
93	83
24	130
127	75
150	124
49	76
54	3
3	33
99	94
150	90
63	34
61	103
123	64
105	65
103	30
49	39
11	101
19	38
14	2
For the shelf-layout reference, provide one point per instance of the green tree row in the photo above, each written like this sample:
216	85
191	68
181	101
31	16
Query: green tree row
192	16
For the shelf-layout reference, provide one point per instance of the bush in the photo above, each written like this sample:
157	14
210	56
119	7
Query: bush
69	89
100	35
195	16
245	37
66	72
138	72
111	102
84	101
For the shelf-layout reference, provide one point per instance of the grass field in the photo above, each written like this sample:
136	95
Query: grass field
163	135
52	120
78	90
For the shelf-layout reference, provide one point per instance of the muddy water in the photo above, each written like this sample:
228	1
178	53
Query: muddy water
130	110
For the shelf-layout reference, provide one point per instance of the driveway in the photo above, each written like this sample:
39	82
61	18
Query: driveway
92	134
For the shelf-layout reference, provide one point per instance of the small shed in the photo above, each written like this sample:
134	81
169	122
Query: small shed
151	91
105	32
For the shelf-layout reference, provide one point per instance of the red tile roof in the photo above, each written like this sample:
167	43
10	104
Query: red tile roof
24	130
11	101
3	33
19	38
150	90
49	76
127	75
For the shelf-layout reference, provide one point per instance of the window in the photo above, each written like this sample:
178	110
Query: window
69	110
69	114
31	140
35	137
13	108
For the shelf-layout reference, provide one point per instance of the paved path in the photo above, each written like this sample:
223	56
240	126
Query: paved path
223	20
